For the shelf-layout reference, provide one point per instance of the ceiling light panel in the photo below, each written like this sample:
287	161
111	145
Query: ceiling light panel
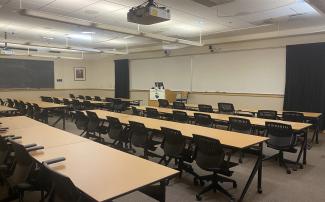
67	6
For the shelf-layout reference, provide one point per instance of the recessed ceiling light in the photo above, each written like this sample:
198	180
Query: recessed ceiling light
88	32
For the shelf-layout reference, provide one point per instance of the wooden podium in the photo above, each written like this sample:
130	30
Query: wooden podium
156	94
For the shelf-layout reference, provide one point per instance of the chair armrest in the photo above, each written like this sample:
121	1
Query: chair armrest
16	137
30	145
35	148
52	161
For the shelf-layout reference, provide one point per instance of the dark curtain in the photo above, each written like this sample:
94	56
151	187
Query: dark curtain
305	78
122	80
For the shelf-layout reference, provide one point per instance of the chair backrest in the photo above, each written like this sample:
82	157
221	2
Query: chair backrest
24	164
267	114
76	104
22	108
62	188
180	116
179	105
93	121
88	97
135	111
17	105
4	150
30	109
163	103
81	97
208	153
281	135
173	142
87	104
10	103
66	102
226	108
139	134
205	108
115	128
56	100
108	99
72	96
81	120
2	102
240	125
203	119
293	116
97	98
152	112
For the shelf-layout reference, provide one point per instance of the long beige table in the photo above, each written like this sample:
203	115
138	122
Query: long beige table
94	102
227	138
225	117
101	172
48	106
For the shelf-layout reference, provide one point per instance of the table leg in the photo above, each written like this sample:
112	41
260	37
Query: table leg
157	192
257	168
305	145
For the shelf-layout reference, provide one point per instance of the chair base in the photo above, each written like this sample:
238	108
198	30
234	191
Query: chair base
216	179
284	162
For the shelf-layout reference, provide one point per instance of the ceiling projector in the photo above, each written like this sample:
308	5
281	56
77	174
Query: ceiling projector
148	13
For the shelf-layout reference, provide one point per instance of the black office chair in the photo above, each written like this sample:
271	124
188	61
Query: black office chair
203	120
88	97
10	103
175	147
140	137
119	105
136	111
5	164
17	105
293	117
226	108
72	96
210	156
87	105
81	121
56	100
241	125
152	113
21	179
2	103
30	110
163	103
179	105
110	104
97	98
117	133
22	108
62	188
180	116
81	97
282	139
95	126
267	114
205	108
76	105
40	114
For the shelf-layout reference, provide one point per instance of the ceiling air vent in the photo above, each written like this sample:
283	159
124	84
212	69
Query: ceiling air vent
211	3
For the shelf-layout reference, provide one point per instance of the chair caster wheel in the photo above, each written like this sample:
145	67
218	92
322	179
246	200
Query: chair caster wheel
288	171
234	185
198	198
202	183
232	200
260	191
301	166
294	169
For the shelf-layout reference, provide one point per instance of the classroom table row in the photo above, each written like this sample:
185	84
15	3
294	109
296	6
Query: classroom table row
236	141
296	126
103	173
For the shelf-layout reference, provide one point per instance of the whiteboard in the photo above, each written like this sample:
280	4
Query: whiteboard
249	71
175	72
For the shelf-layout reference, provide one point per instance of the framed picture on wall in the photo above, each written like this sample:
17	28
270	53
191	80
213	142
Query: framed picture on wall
80	73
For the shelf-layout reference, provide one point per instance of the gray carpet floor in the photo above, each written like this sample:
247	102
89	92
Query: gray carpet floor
304	185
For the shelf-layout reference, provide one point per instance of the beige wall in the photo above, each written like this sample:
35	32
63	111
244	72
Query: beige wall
100	75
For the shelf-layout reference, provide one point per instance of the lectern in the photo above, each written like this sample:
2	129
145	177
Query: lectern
156	94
